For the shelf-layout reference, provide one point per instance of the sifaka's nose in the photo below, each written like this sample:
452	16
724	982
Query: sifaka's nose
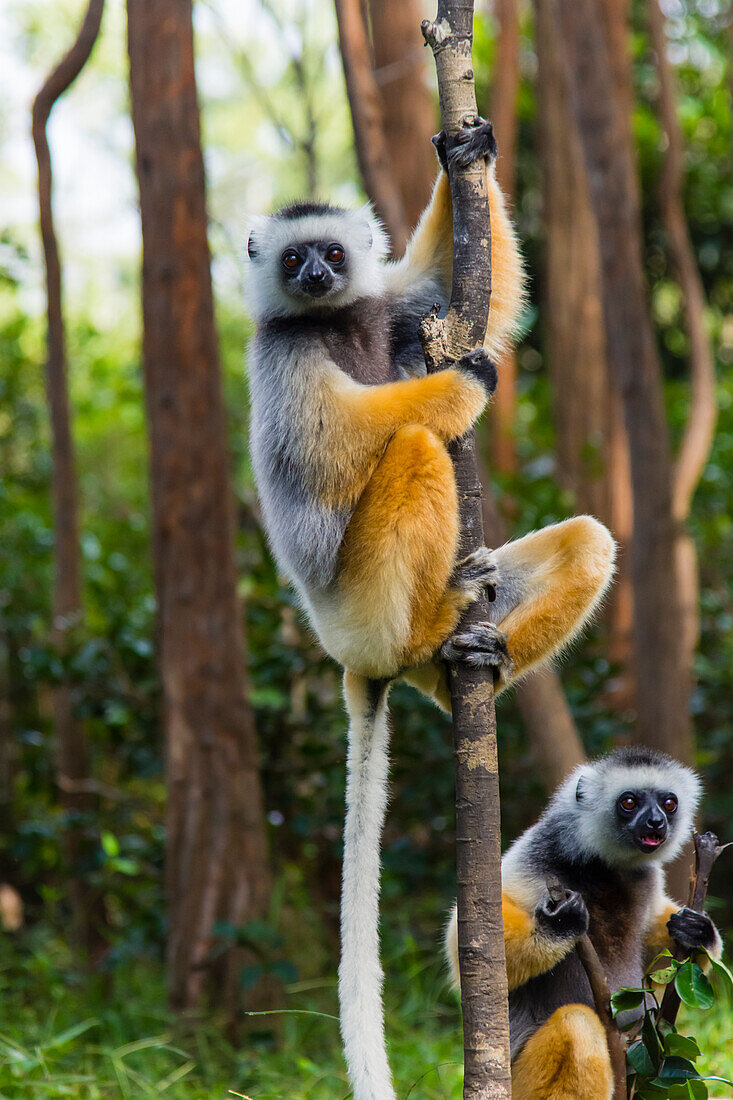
657	824
315	274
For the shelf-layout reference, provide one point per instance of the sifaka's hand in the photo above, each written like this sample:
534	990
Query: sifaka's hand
566	919
478	364
474	142
693	930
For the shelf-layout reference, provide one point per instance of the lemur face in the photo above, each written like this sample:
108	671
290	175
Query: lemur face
314	258
646	818
314	269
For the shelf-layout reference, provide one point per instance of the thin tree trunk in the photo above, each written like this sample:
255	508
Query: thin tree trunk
407	105
480	930
366	114
699	430
73	754
662	680
216	859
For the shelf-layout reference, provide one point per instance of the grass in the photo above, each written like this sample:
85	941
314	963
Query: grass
111	1036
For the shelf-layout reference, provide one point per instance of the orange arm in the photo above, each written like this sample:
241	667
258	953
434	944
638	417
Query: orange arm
528	951
430	255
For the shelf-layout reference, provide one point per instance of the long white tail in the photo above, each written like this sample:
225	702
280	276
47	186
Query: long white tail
360	971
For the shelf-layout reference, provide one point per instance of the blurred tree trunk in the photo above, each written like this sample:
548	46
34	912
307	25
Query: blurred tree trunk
367	117
592	448
699	430
73	754
599	106
216	859
408	112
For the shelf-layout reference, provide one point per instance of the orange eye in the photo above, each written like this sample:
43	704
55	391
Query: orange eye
335	254
290	259
627	802
669	803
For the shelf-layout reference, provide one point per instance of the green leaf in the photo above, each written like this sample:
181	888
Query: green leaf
720	970
676	1070
684	1045
664	975
693	987
639	1059
651	1041
110	844
690	1090
624	999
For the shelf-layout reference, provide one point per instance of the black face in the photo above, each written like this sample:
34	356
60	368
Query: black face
314	269
646	817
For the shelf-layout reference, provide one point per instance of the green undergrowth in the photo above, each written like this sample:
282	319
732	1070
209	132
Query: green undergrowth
110	1035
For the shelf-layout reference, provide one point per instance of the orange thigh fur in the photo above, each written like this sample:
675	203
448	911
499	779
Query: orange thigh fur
398	553
567	1059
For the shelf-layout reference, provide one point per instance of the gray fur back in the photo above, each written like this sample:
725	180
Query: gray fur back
305	537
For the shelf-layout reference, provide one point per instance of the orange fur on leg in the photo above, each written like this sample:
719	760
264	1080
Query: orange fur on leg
567	1059
397	556
560	574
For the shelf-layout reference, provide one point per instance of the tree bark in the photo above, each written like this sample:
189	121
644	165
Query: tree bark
216	859
484	995
697	439
407	105
366	114
72	749
592	447
662	679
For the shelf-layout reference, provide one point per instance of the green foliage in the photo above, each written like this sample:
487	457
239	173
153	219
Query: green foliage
661	1061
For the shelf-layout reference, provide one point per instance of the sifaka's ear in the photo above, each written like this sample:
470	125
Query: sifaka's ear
252	250
580	789
375	235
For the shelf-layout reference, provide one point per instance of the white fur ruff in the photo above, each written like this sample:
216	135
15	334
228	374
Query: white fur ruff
358	230
360	972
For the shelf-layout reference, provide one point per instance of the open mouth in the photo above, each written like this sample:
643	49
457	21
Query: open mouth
649	841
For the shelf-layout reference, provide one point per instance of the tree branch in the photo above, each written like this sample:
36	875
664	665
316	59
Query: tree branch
478	854
73	754
600	989
707	850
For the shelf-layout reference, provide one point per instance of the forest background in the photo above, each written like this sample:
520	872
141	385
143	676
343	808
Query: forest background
99	997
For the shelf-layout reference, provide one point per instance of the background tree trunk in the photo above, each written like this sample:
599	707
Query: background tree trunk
366	112
407	104
72	749
216	865
592	448
662	678
697	439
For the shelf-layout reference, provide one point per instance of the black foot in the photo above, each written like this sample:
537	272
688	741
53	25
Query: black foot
470	144
478	364
483	645
477	572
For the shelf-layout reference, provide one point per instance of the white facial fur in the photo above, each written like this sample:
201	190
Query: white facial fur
358	231
594	815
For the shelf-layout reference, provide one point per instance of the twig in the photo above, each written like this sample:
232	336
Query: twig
478	855
601	997
707	850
